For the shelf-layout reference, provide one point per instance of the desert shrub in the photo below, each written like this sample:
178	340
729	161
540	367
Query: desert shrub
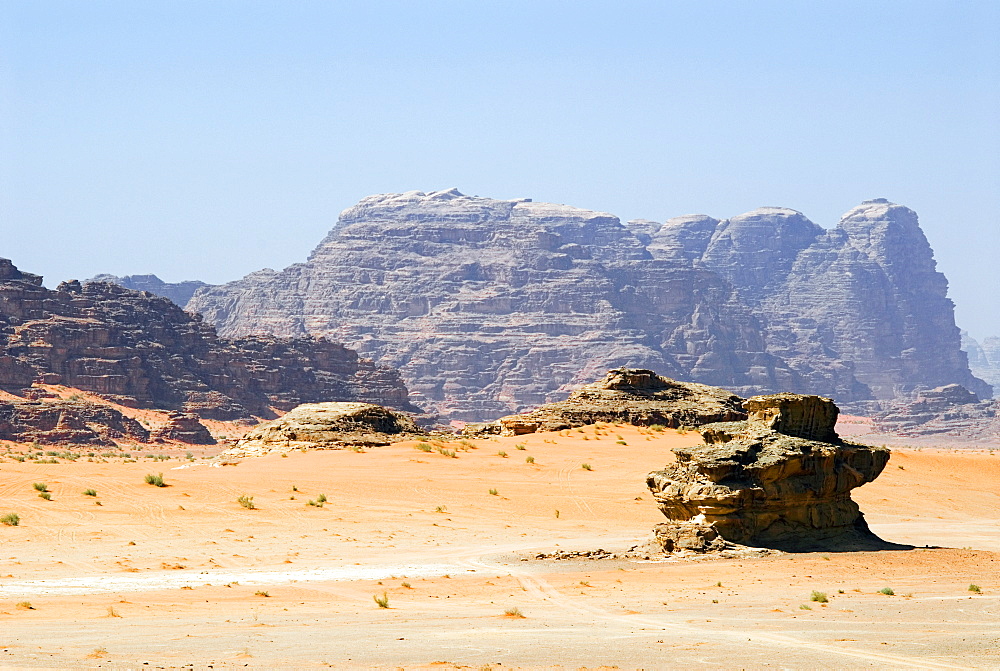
501	453
887	591
90	492
246	502
440	509
261	592
45	495
805	607
41	486
424	447
316	504
975	588
382	601
520	446
493	492
529	460
657	427
407	585
620	442
25	605
112	612
155	480
818	597
10	519
321	498
586	467
513	612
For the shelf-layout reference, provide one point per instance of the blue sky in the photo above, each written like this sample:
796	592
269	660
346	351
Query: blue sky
207	139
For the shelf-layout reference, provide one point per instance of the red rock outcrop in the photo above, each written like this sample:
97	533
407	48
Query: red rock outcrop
140	350
184	428
67	422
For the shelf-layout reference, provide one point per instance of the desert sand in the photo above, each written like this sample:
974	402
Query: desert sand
183	576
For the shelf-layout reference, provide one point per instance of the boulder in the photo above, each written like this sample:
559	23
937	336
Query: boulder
625	396
185	428
755	484
327	426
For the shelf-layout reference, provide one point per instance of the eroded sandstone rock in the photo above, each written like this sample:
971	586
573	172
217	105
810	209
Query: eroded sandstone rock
629	396
140	350
756	486
947	412
67	423
327	426
185	428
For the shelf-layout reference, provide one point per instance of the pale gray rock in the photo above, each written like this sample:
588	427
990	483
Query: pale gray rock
178	292
984	358
490	307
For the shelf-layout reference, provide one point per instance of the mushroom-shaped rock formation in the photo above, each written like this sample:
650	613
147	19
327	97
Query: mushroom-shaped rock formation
327	426
629	396
185	427
782	479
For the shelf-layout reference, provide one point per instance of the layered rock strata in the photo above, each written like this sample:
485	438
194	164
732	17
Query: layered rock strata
67	423
327	426
752	485
629	396
496	306
184	428
948	412
178	292
140	350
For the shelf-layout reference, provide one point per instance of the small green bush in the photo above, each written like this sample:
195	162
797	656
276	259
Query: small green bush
41	486
155	480
45	495
10	519
975	588
501	453
520	446
513	612
529	460
382	601
887	591
620	442
805	607
321	498
586	467
246	502
424	447
90	492
493	492
818	597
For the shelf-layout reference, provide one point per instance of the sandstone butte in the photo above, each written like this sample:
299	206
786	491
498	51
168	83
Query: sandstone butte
781	479
489	307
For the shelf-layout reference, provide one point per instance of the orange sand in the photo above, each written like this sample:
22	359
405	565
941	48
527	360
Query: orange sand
183	575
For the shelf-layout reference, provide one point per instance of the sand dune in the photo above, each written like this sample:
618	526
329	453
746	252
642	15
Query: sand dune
184	575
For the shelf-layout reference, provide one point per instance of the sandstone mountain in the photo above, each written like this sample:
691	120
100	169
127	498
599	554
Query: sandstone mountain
984	358
139	350
178	292
494	306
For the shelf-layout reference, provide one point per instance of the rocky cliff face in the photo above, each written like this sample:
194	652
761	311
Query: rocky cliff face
142	351
859	311
492	306
178	292
984	358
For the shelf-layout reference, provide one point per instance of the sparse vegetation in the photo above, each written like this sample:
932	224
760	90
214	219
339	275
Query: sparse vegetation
155	480
90	492
445	452
407	585
520	446
513	612
440	509
493	492
112	612
975	588
557	514
586	467
261	592
10	519
805	607
501	453
529	460
382	601
25	605
818	597
620	442
888	591
40	486
424	447
246	502
45	495
321	498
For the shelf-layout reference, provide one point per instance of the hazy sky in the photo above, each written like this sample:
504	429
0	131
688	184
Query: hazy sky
211	138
